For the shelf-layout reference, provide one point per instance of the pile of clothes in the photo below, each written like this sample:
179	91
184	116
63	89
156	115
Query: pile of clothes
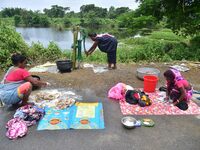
24	117
125	92
137	97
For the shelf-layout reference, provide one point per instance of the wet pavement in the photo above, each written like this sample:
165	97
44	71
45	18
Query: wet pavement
169	132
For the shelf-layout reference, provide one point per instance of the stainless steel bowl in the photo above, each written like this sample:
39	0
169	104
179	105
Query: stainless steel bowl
128	122
141	72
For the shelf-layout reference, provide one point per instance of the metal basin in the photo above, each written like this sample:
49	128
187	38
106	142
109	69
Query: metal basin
128	122
141	72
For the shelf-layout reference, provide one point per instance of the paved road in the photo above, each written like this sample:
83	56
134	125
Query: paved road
169	133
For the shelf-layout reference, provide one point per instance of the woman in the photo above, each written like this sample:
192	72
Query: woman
16	85
107	44
178	89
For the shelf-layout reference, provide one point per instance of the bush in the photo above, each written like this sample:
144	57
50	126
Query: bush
38	54
10	42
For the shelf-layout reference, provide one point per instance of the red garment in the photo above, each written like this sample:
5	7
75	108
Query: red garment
17	75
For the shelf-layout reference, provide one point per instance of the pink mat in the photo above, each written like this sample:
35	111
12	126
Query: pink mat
158	107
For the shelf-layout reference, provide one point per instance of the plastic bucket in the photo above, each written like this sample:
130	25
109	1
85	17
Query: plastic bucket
150	83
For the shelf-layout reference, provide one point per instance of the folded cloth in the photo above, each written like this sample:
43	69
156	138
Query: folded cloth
16	128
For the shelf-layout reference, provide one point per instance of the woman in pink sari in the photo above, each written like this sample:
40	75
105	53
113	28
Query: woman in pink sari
178	89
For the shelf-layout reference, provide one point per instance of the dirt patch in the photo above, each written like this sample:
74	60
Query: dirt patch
101	83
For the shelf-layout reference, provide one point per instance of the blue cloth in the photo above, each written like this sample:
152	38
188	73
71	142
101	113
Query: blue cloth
20	114
9	93
107	43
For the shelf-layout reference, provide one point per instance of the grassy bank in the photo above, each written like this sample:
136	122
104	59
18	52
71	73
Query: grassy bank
159	46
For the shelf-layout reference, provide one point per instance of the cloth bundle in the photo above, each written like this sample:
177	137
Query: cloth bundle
24	117
16	128
137	97
29	113
118	91
126	93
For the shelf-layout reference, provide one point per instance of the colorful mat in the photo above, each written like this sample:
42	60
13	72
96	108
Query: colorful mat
79	116
158	107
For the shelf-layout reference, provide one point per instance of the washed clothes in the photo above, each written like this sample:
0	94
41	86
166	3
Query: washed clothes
29	113
24	117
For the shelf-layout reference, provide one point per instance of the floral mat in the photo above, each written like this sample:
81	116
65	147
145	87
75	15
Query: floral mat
158	107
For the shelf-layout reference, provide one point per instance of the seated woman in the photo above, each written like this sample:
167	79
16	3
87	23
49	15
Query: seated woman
178	89
16	85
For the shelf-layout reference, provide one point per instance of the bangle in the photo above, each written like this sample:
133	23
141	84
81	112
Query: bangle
178	101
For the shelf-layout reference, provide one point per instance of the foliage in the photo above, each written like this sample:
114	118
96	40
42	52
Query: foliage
160	46
17	20
56	11
91	8
10	42
115	12
183	16
133	24
39	54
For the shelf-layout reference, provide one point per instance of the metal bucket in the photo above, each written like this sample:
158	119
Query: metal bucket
141	72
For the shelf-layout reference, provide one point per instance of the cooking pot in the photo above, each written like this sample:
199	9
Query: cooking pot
64	65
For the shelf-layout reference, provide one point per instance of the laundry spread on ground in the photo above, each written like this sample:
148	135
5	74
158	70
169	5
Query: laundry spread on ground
58	99
47	67
24	117
158	107
96	69
79	116
182	68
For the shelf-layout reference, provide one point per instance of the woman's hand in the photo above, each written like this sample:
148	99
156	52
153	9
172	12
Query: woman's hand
45	84
48	84
176	102
86	53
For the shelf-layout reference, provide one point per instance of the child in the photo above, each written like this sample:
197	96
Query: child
178	89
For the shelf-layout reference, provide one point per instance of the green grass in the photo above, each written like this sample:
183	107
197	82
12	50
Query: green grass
161	45
165	34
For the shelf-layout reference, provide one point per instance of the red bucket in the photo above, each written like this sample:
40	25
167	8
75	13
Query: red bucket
150	83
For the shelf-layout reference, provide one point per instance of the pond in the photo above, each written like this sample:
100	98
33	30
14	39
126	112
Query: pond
64	39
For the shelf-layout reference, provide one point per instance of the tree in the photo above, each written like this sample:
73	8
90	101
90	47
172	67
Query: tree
183	16
121	10
134	23
98	11
56	11
17	20
111	12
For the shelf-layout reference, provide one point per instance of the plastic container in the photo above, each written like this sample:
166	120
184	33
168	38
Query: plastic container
150	83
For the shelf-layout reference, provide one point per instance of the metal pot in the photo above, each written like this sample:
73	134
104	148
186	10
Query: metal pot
64	65
128	122
34	87
141	72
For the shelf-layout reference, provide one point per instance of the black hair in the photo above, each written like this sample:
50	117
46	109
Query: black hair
92	34
17	58
169	75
